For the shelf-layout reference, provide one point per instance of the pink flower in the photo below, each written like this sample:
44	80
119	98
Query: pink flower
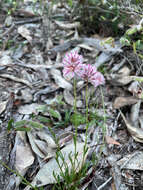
90	74
72	64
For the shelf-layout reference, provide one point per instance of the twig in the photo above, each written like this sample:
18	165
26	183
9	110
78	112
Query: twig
38	19
37	66
11	77
104	184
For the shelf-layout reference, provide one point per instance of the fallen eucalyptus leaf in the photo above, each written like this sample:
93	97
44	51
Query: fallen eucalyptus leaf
34	146
44	136
119	80
49	152
5	59
23	162
110	140
42	144
60	81
137	133
28	109
24	32
67	26
132	161
11	77
134	115
3	106
124	101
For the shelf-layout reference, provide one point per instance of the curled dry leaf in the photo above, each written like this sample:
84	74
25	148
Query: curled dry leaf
84	46
141	121
121	80
34	145
132	161
65	138
60	81
67	26
11	77
45	174
43	136
24	32
3	106
124	101
134	116
137	133
5	59
49	152
125	71
134	88
42	144
110	140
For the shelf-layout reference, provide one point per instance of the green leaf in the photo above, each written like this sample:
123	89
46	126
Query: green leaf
131	31
70	2
44	119
10	124
23	129
125	41
35	124
54	113
26	123
20	123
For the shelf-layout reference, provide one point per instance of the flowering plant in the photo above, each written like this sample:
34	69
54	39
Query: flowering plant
73	66
90	74
73	63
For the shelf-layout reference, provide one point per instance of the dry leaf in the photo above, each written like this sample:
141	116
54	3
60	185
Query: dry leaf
34	145
60	81
124	101
23	162
132	161
3	106
125	71
110	140
28	108
42	144
67	26
121	80
137	133
24	32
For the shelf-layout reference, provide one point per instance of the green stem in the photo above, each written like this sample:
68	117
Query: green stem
74	84
86	102
75	112
104	117
87	122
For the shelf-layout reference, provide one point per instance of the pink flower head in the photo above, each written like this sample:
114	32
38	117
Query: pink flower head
72	64
90	74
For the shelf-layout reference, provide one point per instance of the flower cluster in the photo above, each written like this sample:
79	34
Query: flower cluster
73	66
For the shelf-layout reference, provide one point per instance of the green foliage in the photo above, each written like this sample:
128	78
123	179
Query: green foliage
134	37
71	178
77	119
23	125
